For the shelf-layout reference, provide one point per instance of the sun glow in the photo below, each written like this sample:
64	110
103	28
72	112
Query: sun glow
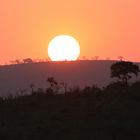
63	47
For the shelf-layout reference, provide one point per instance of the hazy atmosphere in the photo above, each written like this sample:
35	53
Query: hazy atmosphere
105	28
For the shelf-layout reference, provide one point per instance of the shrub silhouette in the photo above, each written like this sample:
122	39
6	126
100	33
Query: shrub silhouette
123	70
91	90
53	86
27	60
117	87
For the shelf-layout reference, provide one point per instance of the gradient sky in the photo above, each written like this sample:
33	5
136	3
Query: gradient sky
105	28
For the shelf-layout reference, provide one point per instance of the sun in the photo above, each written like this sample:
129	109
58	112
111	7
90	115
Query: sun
63	48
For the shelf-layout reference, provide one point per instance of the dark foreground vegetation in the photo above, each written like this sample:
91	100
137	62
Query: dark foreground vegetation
111	113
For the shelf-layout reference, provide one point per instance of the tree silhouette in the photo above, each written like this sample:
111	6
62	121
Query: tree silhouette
32	88
17	61
54	87
28	60
96	57
120	58
123	70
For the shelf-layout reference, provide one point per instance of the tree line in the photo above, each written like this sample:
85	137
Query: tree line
122	71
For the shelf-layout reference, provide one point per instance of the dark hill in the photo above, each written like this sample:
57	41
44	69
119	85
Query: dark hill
14	78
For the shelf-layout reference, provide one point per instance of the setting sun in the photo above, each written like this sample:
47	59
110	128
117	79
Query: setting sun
63	47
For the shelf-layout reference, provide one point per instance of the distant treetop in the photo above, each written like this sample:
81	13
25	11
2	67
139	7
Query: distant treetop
123	70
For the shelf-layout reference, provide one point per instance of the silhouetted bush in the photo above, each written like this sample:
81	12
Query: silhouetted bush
74	91
91	90
117	87
53	86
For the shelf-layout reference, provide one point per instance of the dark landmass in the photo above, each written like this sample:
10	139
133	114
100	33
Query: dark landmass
110	114
16	78
58	112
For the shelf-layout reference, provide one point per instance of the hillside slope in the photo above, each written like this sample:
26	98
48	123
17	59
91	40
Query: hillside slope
14	78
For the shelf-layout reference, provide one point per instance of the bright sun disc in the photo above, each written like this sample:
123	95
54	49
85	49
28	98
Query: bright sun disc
63	48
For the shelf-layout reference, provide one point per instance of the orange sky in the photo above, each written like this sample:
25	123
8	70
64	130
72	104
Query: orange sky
105	28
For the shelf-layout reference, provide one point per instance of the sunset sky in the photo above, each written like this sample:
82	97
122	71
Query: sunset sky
105	28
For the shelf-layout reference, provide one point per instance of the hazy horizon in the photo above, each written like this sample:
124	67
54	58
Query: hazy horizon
41	60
